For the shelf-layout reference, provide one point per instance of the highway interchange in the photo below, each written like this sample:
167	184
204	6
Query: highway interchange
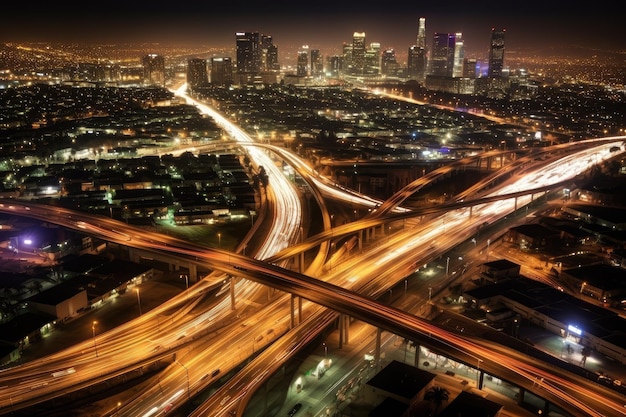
350	287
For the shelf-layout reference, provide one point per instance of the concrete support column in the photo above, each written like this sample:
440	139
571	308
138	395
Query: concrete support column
232	292
193	272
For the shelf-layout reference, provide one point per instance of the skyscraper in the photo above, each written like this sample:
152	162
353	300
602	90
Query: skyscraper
421	33
389	65
496	54
197	75
417	56
371	59
459	55
154	70
303	61
441	62
317	64
358	53
221	71
269	54
248	50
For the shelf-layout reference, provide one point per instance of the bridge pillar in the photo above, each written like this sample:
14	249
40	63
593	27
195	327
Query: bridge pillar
232	292
193	272
360	239
344	328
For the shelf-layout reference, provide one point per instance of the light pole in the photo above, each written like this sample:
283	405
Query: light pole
488	243
447	265
93	332
186	284
325	350
219	240
138	300
186	280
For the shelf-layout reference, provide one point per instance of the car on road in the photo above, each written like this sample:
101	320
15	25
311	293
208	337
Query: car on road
294	410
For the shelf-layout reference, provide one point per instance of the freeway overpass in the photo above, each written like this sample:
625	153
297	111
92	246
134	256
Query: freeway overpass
334	297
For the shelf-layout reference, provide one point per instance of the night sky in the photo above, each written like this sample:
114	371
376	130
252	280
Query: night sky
320	24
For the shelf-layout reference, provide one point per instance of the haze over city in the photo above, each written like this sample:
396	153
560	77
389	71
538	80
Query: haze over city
546	27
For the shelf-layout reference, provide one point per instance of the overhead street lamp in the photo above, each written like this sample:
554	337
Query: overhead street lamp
186	282
93	332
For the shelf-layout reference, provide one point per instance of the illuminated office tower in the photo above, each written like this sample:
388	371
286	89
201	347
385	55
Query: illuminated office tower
371	61
335	65
459	55
417	56
421	34
358	53
248	51
388	63
496	54
269	54
317	64
441	62
154	70
221	71
197	75
302	69
416	63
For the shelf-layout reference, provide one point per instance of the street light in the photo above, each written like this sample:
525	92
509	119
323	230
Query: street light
186	280
138	300
93	332
219	240
325	350
186	284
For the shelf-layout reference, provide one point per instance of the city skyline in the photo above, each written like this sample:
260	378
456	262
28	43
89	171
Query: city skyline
554	28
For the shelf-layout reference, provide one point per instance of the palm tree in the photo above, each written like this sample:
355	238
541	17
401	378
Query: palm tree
437	395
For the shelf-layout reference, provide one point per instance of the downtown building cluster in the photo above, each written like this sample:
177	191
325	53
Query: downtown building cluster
443	67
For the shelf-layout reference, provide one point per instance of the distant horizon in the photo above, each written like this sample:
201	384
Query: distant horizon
323	26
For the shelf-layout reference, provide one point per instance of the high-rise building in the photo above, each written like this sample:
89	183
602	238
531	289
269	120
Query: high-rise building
197	75
388	63
248	51
335	65
416	63
317	64
221	71
302	69
441	62
421	34
371	62
154	70
417	56
269	54
459	55
358	53
496	54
